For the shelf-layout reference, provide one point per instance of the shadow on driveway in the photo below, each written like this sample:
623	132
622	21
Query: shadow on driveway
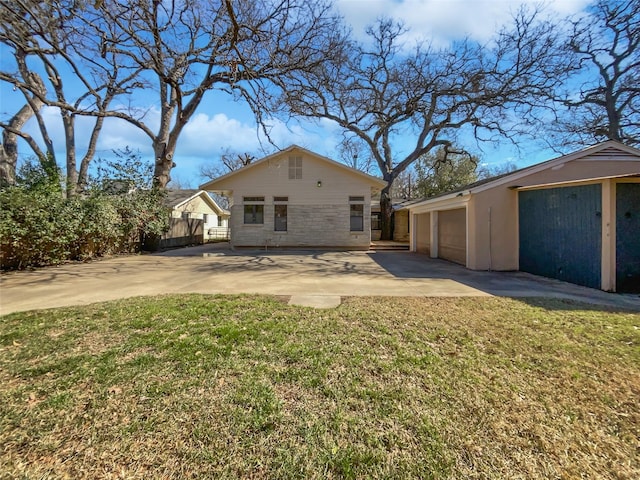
505	284
215	268
406	273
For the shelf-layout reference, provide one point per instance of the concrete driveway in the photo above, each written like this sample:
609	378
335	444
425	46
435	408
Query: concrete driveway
310	277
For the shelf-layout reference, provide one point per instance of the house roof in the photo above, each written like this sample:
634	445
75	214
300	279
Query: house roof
397	203
177	198
375	180
600	151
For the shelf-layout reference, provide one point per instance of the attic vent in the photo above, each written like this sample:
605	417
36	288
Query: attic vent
611	153
295	168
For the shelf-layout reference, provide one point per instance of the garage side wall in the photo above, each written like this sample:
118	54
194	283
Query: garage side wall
493	224
423	233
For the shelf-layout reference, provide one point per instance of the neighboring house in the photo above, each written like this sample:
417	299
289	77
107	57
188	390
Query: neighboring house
203	218
297	198
575	218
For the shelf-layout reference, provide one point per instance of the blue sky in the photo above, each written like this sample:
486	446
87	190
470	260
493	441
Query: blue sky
221	124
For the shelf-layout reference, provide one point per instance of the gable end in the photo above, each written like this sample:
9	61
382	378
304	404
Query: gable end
611	153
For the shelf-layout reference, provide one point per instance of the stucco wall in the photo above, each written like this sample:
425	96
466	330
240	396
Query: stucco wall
493	225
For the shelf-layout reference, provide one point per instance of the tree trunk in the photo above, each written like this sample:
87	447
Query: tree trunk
8	159
613	115
9	147
385	214
163	164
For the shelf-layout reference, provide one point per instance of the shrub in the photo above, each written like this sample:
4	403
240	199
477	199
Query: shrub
38	226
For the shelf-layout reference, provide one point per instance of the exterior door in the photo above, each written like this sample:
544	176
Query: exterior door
561	233
628	237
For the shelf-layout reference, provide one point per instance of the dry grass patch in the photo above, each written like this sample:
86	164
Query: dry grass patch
248	387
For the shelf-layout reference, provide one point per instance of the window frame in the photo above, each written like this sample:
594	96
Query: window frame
279	202
356	205
256	204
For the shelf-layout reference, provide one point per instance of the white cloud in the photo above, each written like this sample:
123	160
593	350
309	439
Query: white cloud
442	21
207	136
115	134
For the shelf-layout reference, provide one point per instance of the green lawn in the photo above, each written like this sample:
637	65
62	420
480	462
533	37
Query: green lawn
197	386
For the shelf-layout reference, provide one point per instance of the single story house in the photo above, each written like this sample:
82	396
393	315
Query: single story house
575	218
198	205
297	198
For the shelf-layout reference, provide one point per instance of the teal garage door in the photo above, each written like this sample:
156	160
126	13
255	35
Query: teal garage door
561	233
628	237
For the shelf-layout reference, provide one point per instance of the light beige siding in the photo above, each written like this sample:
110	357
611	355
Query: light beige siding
401	226
198	208
318	212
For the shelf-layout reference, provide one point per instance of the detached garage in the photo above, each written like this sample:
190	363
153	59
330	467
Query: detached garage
575	218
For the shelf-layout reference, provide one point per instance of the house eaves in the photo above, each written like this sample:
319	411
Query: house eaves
573	182
600	151
374	180
633	154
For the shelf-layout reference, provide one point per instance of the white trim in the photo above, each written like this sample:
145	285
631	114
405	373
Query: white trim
582	181
433	203
207	199
460	200
375	180
539	167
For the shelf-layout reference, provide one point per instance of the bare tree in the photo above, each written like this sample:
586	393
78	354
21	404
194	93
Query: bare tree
9	146
49	37
167	55
383	91
354	154
230	161
601	99
484	171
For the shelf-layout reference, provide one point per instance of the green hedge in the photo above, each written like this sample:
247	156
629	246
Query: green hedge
39	227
